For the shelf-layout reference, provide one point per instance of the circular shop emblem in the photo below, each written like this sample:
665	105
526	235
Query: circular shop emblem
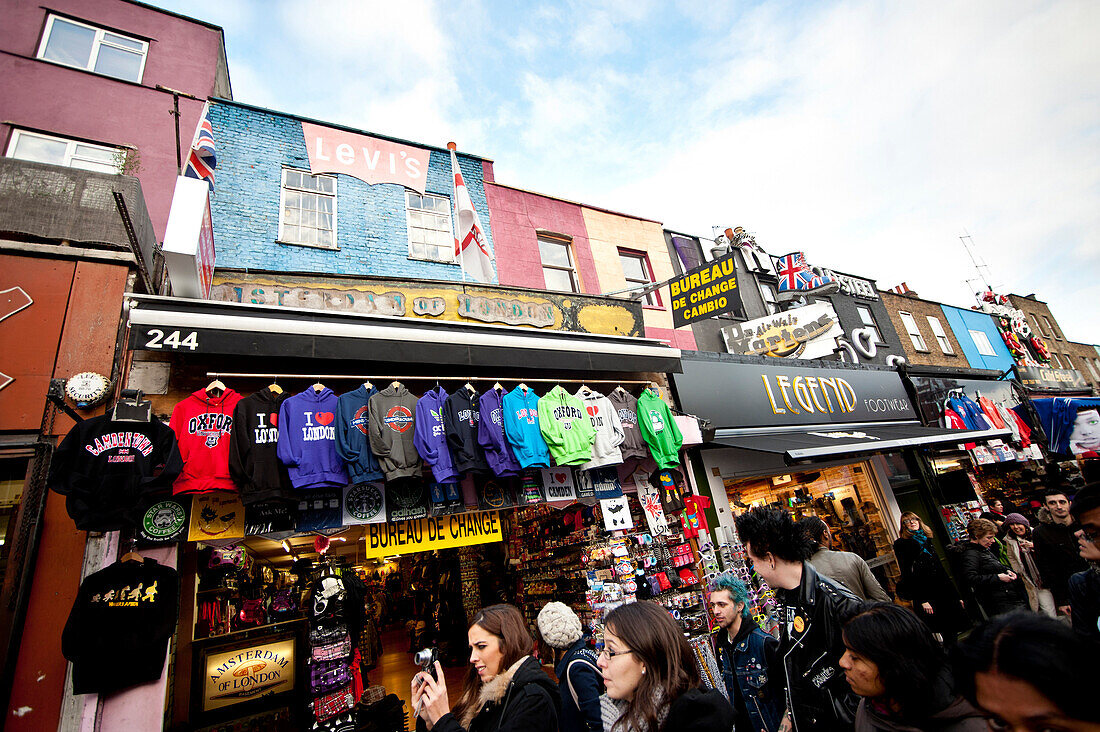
87	389
493	494
399	419
163	520
364	501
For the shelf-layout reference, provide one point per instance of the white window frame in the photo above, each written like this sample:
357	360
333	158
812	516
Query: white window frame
911	328
282	207
1053	330
1039	326
571	269
450	258
97	43
941	335
1055	360
866	315
1068	361
70	150
982	340
770	295
652	299
1094	367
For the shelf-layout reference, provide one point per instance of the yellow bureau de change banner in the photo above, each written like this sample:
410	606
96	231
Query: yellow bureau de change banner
439	532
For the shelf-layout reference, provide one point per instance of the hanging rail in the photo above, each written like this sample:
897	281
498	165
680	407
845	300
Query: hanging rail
413	377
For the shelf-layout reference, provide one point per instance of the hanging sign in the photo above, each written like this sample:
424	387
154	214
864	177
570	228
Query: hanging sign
216	516
558	483
650	498
705	291
616	514
429	534
446	499
247	673
1043	378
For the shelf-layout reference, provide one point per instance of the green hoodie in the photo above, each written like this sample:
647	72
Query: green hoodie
659	429
566	427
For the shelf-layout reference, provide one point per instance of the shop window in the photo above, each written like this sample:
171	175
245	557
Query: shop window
771	299
431	236
39	148
941	335
981	342
869	321
637	271
913	331
1053	330
558	270
83	46
308	209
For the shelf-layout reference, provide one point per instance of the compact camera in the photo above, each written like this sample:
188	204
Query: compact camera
426	659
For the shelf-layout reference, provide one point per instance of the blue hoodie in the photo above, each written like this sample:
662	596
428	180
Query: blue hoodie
430	437
521	426
490	434
307	440
353	435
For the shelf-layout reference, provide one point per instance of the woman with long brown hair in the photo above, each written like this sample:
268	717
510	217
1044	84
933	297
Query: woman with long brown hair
505	690
924	581
651	677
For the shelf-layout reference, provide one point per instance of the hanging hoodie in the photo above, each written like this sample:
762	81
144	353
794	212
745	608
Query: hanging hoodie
392	416
659	429
566	428
253	441
353	435
521	427
991	413
307	440
104	469
491	437
633	445
461	417
202	424
970	412
430	436
609	429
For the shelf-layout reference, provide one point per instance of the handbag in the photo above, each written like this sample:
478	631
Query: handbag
327	676
333	704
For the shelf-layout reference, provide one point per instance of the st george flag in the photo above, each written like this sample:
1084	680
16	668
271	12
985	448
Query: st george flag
202	160
471	249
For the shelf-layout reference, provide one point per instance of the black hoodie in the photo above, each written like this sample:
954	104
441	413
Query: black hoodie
461	416
253	438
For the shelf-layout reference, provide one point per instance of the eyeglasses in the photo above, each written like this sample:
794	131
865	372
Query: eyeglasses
1090	534
612	654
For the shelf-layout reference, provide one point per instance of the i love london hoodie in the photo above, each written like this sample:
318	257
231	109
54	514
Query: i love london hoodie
392	416
521	427
626	406
430	436
566	428
491	437
307	440
461	417
659	429
253	441
202	424
353	435
609	429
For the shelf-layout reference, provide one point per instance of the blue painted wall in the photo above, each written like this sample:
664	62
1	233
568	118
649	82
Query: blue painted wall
962	322
253	146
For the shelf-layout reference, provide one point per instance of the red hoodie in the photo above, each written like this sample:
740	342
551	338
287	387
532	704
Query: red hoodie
202	424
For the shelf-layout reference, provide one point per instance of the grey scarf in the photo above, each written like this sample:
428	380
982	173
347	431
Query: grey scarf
612	709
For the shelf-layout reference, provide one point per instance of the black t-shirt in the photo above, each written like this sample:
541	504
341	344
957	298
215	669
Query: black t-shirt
670	485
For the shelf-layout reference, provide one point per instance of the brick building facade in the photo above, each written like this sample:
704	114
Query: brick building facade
1064	354
933	343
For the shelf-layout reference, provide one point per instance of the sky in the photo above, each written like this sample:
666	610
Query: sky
869	135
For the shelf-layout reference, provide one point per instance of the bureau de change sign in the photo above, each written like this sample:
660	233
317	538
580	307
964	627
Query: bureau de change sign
705	291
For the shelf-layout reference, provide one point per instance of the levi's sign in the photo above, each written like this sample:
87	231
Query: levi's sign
370	159
427	534
705	291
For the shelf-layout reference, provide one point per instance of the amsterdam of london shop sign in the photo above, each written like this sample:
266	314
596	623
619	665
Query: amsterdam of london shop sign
806	332
246	673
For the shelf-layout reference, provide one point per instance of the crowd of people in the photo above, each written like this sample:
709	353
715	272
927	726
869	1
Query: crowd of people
846	656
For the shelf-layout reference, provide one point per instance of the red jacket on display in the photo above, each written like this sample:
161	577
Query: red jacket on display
202	424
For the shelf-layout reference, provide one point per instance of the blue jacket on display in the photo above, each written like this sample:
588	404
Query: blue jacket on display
430	437
307	440
491	437
353	435
521	426
972	415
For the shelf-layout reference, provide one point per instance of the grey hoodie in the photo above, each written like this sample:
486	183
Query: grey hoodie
633	445
392	415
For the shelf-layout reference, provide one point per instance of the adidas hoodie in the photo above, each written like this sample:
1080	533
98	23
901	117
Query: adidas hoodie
392	414
626	406
430	437
307	440
566	428
461	418
609	429
659	429
490	434
253	441
202	424
521	427
353	435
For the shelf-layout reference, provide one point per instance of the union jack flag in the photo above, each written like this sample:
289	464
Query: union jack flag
796	276
202	160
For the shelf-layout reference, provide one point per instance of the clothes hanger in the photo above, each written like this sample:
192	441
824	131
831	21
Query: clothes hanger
523	387
274	387
132	556
215	386
318	386
469	387
497	386
132	410
395	384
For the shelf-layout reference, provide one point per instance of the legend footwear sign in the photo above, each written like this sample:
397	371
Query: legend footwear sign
705	291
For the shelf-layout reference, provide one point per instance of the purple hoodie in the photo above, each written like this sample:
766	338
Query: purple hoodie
307	440
430	438
490	434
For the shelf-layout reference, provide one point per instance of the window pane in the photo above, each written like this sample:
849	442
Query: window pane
865	316
554	254
324	221
118	63
290	232
309	202
41	149
69	44
324	204
292	178
93	165
124	42
558	279
290	215
412	199
324	237
416	249
88	152
633	268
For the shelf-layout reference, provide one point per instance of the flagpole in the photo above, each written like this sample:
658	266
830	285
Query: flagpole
453	146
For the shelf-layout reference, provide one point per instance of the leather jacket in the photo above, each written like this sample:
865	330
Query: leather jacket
811	620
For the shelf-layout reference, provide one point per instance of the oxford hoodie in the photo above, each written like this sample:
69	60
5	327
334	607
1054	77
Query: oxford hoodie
521	427
353	435
430	436
307	440
253	442
491	437
626	406
566	428
461	417
392	417
659	429
609	429
202	424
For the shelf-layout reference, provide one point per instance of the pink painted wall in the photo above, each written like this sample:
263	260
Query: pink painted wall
515	215
43	96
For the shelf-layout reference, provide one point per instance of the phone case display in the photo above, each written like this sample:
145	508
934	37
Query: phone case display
202	424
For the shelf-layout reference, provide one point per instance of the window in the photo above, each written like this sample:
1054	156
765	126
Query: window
557	265
1053	330
981	340
1068	361
913	331
637	271
430	233
308	211
94	49
40	148
1094	367
869	321
771	300
1039	326
1057	362
941	336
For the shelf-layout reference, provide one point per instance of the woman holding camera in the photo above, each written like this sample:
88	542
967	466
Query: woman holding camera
505	690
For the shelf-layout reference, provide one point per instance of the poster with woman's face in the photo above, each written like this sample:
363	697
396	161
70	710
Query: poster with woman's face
1086	433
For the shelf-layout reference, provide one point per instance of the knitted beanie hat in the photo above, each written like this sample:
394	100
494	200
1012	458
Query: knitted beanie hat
1016	518
559	625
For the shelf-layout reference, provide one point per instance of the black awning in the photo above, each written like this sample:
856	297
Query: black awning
829	442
